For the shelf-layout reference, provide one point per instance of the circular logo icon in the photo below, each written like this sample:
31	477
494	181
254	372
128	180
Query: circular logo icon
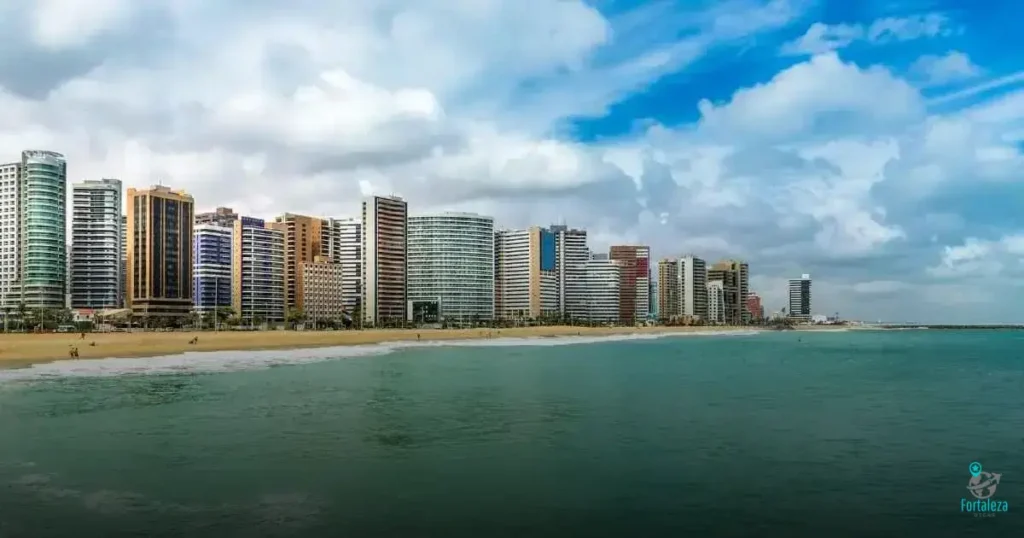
983	485
975	468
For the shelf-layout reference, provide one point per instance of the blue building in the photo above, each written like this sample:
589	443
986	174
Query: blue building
211	272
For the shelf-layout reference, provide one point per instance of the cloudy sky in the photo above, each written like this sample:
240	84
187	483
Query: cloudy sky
875	144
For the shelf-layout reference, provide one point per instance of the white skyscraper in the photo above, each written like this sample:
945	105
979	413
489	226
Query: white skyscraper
682	291
602	285
573	255
525	274
96	248
451	262
341	243
800	298
716	301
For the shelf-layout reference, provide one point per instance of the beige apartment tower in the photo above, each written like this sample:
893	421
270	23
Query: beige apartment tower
302	236
323	287
385	260
159	264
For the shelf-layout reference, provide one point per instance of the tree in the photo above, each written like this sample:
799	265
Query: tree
22	314
294	317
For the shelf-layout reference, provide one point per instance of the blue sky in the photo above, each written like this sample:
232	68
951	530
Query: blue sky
876	145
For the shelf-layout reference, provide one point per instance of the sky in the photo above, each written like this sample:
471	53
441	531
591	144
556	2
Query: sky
876	145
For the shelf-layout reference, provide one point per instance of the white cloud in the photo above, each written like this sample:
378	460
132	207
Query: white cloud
821	38
62	24
826	167
976	258
950	67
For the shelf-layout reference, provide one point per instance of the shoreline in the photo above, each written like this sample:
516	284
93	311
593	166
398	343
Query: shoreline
23	350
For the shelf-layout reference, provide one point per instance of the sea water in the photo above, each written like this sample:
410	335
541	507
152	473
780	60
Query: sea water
857	433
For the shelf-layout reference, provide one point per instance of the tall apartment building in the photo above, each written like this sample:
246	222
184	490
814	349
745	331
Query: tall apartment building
33	227
341	242
384	260
573	255
302	244
10	292
96	249
755	307
122	300
451	264
800	298
735	277
323	283
716	301
526	273
602	282
635	298
258	262
160	253
655	293
682	289
211	270
222	216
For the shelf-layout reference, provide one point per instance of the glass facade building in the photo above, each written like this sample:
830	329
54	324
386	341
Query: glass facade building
451	261
43	225
211	271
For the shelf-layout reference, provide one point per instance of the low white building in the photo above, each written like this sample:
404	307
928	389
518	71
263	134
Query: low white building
602	281
716	301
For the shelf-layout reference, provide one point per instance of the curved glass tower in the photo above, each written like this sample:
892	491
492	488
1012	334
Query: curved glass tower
43	204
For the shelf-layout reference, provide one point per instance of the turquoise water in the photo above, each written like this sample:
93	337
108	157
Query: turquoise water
777	435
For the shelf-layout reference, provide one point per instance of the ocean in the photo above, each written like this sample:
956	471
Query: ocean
781	434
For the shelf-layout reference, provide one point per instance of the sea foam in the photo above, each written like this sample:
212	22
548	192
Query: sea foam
206	362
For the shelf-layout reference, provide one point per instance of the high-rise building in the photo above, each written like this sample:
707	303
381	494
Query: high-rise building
526	278
735	277
160	253
451	266
96	247
323	284
573	255
800	298
302	237
122	300
42	229
603	289
682	293
755	308
384	260
211	270
341	242
635	298
222	216
10	238
258	256
716	301
655	293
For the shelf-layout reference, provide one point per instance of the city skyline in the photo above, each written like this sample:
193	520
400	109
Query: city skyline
873	146
227	257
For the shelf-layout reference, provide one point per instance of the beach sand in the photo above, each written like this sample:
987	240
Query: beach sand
23	349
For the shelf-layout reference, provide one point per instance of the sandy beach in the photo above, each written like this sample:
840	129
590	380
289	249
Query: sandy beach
22	349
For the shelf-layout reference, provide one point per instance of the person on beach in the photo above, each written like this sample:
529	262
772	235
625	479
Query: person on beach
417	336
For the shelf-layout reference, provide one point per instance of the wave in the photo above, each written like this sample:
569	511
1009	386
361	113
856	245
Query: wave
209	362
